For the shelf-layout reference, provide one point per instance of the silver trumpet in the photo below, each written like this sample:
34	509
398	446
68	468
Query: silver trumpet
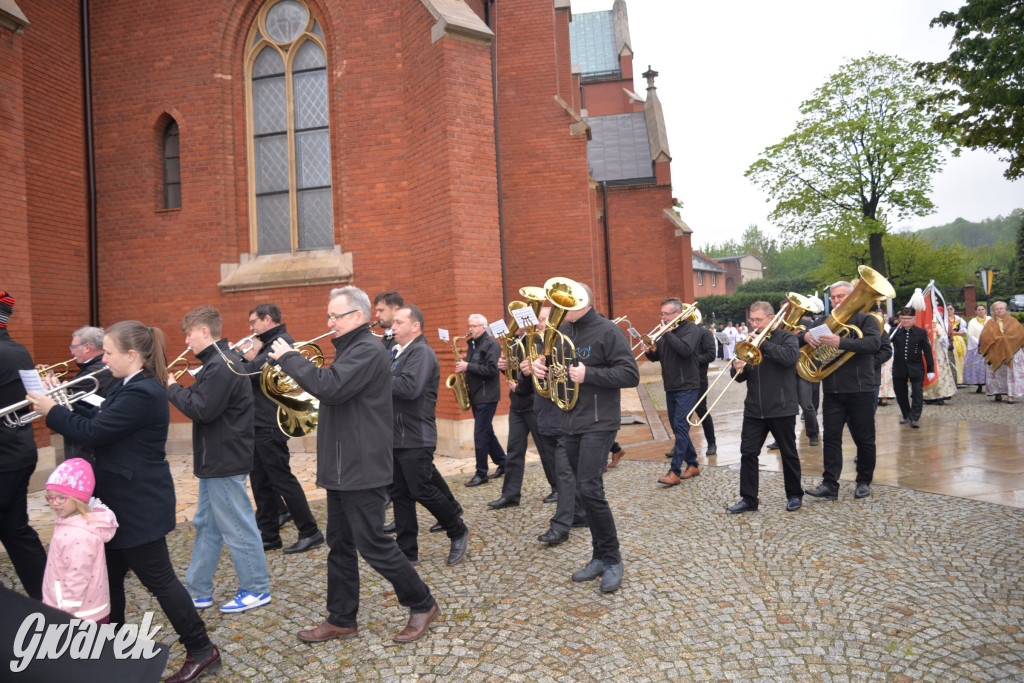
60	394
244	346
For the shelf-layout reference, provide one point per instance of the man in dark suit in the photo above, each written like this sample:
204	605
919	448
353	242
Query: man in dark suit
909	344
771	407
484	382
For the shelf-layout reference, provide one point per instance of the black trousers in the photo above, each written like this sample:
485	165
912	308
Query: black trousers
152	564
808	394
20	540
569	507
355	524
414	483
587	454
702	409
913	407
547	447
272	479
752	436
484	440
520	427
857	410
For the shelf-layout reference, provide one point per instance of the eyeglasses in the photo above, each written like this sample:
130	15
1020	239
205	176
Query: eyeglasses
253	322
75	346
58	498
331	317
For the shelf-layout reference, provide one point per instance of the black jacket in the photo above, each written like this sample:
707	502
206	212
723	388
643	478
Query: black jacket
858	373
264	410
883	354
415	375
678	351
482	375
908	348
107	382
128	435
771	385
601	346
353	451
17	446
220	407
549	415
707	353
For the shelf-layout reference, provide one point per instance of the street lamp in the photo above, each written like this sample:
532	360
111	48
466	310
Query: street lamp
987	275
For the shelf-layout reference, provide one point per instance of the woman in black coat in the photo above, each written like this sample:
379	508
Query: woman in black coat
129	433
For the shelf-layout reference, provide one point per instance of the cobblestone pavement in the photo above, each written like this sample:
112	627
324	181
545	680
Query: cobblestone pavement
902	586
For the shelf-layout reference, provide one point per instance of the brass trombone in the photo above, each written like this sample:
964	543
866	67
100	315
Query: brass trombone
180	360
297	410
650	339
65	368
59	394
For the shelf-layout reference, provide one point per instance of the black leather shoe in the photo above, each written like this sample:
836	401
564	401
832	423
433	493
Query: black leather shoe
743	506
502	503
284	519
272	545
824	492
794	503
669	454
389	528
551	497
500	472
477	480
814	441
913	423
904	420
712	449
192	669
773	446
862	491
457	553
304	544
552	537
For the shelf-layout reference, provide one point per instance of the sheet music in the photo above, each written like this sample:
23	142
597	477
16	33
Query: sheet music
32	381
498	328
443	334
524	316
818	331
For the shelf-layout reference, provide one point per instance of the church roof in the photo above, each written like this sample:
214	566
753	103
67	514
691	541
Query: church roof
618	150
592	44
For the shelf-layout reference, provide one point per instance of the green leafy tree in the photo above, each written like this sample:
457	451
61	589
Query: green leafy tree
984	77
1018	260
863	155
910	260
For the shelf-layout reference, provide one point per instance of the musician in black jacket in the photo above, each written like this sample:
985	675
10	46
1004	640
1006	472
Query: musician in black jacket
706	356
18	458
87	348
272	478
604	367
770	407
910	343
356	466
484	383
849	398
415	375
219	404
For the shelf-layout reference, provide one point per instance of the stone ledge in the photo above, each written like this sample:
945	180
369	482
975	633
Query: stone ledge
298	269
456	20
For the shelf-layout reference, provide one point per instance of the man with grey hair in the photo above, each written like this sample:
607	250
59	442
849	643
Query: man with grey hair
87	348
849	397
484	381
355	466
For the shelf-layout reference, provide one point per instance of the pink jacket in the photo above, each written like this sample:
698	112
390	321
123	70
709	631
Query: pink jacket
76	568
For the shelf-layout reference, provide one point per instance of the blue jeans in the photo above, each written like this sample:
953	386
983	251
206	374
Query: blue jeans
224	516
679	404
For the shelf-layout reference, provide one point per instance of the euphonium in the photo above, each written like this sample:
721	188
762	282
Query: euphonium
297	410
512	345
817	364
564	295
457	380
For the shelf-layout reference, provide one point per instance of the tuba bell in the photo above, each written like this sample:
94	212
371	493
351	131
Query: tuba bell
817	364
564	295
297	410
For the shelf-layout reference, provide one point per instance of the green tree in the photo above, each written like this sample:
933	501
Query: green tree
862	155
984	77
909	260
1018	260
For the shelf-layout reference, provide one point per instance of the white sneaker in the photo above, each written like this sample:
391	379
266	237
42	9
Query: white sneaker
244	600
202	603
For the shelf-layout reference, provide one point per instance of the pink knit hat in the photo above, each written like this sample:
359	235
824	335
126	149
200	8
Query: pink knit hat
73	478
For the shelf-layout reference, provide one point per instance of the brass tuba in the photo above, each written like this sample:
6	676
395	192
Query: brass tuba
297	410
515	351
564	295
457	380
817	364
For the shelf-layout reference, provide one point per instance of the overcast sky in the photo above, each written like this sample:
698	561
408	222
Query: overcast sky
733	75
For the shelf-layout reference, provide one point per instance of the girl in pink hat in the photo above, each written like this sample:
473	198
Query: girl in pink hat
76	567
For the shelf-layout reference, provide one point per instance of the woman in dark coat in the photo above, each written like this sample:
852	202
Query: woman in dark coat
129	432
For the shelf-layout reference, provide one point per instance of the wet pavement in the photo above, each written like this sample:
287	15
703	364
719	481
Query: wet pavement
913	583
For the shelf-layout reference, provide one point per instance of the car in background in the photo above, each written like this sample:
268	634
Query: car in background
1016	303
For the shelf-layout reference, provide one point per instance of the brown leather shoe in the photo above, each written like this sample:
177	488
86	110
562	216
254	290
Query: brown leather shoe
670	479
691	471
328	631
616	457
417	625
191	669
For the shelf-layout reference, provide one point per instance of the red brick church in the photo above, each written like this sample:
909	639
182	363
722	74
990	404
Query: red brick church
159	156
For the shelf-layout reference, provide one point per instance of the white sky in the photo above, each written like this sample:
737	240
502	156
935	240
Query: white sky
731	80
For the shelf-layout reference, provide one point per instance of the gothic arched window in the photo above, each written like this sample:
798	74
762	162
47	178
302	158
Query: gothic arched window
289	137
172	167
